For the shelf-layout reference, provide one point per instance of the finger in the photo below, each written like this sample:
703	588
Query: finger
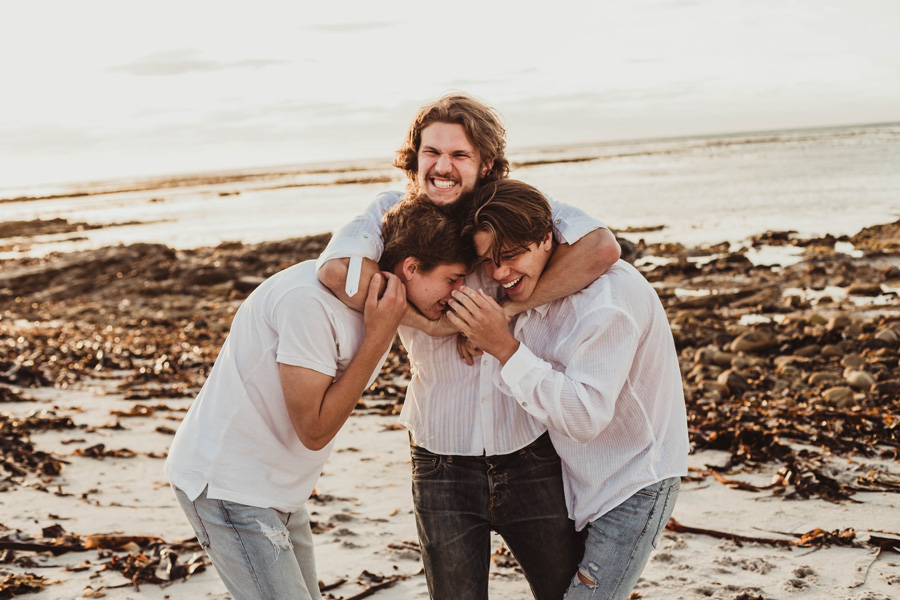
490	301
374	288
458	323
460	311
475	296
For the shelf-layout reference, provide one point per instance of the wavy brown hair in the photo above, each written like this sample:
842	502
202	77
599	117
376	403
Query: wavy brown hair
430	233
481	123
513	212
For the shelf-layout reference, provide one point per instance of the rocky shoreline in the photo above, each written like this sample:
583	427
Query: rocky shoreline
819	335
787	366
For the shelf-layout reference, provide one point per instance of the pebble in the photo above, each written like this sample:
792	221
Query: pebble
859	380
840	396
753	341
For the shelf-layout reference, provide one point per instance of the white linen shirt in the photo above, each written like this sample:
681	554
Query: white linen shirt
599	369
237	437
450	407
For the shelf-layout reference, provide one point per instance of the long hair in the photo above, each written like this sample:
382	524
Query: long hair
481	123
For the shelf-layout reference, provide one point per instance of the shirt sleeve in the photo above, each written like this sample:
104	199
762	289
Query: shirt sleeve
361	236
579	398
570	224
307	331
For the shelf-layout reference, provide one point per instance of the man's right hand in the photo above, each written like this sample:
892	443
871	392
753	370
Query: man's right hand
383	314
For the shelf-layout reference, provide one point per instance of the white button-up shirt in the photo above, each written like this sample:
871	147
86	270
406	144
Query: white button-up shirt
450	407
599	368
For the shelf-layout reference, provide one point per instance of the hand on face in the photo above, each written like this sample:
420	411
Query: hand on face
483	322
383	314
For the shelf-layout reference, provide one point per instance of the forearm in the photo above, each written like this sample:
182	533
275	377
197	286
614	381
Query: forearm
571	269
341	396
576	408
333	275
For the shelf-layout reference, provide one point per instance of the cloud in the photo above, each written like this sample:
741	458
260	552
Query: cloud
179	62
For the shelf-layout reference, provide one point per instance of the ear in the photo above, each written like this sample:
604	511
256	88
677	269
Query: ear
547	243
486	168
408	268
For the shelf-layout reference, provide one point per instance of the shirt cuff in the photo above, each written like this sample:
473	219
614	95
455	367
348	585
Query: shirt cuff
519	366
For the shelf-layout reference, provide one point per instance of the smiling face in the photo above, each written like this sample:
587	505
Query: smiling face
429	291
448	164
519	269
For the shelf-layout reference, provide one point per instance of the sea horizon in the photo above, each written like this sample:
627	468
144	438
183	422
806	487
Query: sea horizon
692	189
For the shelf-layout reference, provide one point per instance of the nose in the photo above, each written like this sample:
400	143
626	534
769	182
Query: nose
443	164
499	272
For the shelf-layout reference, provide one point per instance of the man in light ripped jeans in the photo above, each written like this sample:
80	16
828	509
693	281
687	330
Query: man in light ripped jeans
599	369
250	450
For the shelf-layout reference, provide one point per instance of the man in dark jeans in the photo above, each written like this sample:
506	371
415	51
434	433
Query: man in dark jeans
480	463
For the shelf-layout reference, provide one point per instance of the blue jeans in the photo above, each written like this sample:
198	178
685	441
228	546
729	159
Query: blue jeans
259	553
460	499
620	542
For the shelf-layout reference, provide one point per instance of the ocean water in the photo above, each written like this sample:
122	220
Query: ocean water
702	190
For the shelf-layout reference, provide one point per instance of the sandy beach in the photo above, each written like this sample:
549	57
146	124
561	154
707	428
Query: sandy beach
791	379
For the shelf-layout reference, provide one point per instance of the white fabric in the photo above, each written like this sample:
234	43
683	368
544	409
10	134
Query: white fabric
237	437
450	407
599	369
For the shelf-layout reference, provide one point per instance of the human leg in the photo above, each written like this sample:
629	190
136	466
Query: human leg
528	506
451	500
620	542
251	548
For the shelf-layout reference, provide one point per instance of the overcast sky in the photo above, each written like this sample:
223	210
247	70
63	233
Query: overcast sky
104	89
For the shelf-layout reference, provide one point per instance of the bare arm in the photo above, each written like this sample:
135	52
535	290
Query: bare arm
333	275
571	268
317	404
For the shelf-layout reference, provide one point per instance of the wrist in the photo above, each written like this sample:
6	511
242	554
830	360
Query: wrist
506	351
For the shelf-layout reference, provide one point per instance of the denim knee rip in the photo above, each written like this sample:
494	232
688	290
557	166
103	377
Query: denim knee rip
279	537
587	574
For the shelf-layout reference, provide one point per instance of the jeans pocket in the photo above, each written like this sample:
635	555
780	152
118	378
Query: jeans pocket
666	504
543	451
424	463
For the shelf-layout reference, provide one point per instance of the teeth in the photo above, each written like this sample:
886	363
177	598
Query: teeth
443	184
511	284
442	302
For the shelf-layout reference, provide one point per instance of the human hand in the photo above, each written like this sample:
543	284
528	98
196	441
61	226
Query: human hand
482	320
467	350
383	311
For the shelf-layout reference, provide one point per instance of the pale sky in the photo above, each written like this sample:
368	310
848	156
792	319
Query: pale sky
107	89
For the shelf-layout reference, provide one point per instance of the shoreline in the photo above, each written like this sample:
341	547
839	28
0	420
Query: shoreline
791	380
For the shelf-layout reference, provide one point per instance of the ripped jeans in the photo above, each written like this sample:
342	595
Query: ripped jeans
619	543
259	553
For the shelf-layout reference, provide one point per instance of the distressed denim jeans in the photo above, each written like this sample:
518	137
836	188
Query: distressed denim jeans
620	542
259	553
460	499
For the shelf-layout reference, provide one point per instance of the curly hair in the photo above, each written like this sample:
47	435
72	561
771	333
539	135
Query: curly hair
481	123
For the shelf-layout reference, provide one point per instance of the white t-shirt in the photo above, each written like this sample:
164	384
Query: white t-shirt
450	407
237	438
600	369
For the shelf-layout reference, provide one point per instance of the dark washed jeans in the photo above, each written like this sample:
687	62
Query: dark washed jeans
460	499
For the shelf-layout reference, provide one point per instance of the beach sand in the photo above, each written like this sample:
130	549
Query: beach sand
758	421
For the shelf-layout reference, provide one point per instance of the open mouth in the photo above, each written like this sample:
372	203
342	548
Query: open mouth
513	286
442	183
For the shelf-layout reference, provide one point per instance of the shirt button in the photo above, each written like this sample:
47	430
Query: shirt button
557	221
366	235
485	362
524	404
483	400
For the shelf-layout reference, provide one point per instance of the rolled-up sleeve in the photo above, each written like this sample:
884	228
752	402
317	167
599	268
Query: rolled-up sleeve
362	235
570	224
